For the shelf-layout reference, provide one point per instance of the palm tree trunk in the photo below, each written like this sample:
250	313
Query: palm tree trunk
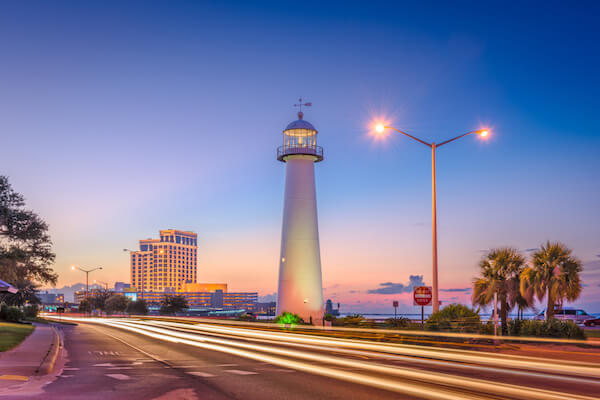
549	305
504	317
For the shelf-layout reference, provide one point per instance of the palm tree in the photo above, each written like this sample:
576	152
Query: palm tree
500	272
554	274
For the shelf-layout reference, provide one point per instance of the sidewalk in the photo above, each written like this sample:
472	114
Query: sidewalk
35	356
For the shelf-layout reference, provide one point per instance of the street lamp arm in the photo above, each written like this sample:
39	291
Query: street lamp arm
88	270
409	135
460	136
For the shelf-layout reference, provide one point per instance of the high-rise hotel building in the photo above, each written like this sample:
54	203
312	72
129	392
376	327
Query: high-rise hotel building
165	264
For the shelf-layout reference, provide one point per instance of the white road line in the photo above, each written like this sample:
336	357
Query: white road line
201	374
240	372
227	365
119	377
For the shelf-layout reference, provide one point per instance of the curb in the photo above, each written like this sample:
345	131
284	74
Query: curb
47	364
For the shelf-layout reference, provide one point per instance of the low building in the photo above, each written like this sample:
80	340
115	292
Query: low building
267	308
80	294
121	286
51	298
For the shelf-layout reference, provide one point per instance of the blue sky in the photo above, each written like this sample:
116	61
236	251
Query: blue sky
122	119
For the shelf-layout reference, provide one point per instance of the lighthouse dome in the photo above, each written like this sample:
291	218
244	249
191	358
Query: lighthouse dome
300	124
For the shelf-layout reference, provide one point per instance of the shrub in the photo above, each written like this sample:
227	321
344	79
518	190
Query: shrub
397	322
554	329
353	320
247	317
31	311
455	318
10	313
487	328
329	317
287	318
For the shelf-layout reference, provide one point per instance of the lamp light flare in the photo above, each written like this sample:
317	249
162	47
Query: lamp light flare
379	128
484	133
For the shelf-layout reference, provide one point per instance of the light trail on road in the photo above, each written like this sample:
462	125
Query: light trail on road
463	356
308	354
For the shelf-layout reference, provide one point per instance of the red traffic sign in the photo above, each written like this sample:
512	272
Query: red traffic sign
422	296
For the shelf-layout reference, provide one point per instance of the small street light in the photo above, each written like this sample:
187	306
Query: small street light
87	273
380	129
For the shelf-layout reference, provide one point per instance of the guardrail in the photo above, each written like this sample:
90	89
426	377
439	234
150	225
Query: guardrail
283	151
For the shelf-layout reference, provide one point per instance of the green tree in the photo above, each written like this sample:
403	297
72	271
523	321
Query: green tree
98	299
116	303
172	304
25	248
500	271
85	306
554	274
138	307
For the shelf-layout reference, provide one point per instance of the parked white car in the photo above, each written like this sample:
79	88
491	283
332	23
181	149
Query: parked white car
572	314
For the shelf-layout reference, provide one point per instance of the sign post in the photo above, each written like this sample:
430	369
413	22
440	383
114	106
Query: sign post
395	304
422	296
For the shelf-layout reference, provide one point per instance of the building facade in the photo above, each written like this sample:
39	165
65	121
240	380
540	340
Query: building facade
165	264
210	300
121	286
51	298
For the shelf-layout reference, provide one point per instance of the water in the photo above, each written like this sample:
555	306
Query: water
417	316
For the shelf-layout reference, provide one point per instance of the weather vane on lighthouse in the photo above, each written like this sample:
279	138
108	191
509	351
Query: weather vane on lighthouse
300	104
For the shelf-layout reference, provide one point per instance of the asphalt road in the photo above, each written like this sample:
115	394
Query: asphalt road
130	359
105	363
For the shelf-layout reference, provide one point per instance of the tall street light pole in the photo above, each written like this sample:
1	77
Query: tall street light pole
481	132
87	273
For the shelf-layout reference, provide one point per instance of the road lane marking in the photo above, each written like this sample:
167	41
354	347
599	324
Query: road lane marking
228	365
240	372
120	368
119	377
201	374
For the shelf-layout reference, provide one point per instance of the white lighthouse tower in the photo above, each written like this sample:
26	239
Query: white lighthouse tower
300	287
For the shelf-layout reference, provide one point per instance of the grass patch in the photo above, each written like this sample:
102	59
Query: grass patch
13	334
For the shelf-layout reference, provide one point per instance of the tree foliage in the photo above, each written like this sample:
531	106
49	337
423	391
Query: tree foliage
172	304
85	306
98	298
25	247
500	274
138	307
554	275
116	303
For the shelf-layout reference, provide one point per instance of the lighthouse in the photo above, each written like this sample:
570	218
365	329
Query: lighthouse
300	285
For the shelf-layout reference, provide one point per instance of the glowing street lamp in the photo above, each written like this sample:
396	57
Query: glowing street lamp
380	129
87	272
